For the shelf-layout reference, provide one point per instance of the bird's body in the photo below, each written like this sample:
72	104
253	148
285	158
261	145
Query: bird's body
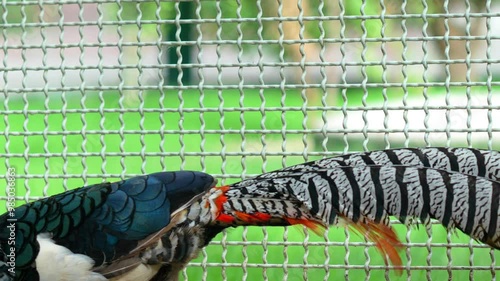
150	227
110	223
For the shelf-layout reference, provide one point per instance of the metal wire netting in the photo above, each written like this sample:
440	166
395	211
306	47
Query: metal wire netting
98	90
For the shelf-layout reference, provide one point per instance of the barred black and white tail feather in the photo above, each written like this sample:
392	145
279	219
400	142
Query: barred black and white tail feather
470	161
372	193
460	187
457	186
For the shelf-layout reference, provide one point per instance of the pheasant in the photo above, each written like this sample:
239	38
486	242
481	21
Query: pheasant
149	227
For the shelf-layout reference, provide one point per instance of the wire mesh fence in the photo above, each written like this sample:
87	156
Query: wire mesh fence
98	90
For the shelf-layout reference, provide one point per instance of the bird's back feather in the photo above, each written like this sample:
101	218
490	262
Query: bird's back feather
103	221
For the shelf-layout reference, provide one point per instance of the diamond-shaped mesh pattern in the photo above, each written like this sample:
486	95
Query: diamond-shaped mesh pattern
97	90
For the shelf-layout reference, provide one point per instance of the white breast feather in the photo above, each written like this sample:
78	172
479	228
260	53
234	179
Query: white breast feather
57	263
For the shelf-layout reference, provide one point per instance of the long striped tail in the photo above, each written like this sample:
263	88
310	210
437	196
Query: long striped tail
458	187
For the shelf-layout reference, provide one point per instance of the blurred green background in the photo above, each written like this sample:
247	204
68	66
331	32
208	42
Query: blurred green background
36	149
60	140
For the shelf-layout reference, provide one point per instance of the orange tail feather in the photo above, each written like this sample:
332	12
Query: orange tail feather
385	240
316	227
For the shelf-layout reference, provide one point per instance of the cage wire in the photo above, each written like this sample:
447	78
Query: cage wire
100	90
